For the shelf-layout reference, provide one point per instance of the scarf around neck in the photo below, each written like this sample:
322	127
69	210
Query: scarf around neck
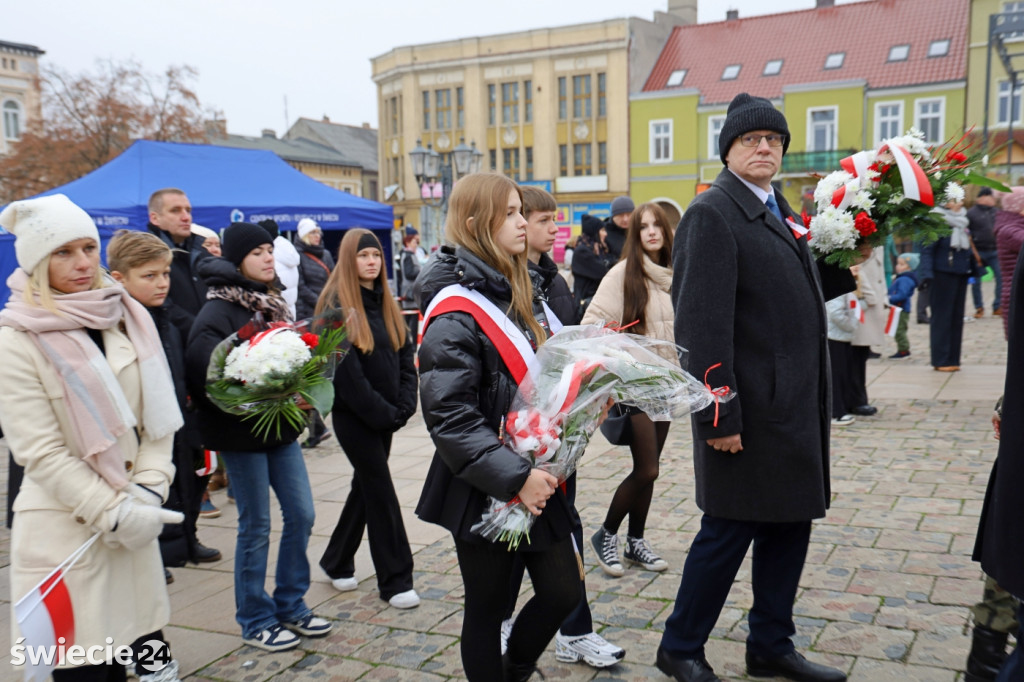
273	306
95	402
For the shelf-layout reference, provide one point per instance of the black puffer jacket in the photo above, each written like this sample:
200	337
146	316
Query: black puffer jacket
217	320
378	388
552	287
312	277
465	393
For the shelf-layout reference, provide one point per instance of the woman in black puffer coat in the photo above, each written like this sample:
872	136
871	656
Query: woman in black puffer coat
315	267
375	394
466	391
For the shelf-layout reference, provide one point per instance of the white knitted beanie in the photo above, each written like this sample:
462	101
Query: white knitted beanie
41	225
306	225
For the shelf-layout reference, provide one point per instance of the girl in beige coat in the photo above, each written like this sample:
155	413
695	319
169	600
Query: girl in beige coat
89	410
637	292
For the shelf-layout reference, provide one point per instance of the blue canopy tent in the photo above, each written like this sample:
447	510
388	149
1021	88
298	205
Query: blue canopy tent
224	185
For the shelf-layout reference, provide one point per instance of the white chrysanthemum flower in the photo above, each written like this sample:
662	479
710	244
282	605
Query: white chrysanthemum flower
896	198
873	175
984	160
828	185
863	200
277	354
832	230
954	193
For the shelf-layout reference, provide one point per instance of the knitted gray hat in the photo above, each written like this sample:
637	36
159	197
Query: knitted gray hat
240	239
748	113
622	205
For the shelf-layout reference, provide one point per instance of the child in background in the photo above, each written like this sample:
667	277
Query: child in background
900	292
842	322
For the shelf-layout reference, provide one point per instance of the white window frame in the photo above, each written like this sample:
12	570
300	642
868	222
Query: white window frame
904	51
834	143
676	78
729	74
1000	94
713	135
832	59
17	112
941	116
935	43
654	137
776	63
900	129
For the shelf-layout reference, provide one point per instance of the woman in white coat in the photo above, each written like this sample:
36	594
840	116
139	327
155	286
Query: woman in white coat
637	291
89	410
874	301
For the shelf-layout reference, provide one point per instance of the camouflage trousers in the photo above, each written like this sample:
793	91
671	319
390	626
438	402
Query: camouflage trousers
997	609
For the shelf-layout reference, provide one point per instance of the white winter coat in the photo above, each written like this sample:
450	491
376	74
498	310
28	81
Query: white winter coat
874	299
114	592
286	264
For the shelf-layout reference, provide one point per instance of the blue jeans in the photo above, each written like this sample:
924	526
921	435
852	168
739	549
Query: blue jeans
990	259
253	474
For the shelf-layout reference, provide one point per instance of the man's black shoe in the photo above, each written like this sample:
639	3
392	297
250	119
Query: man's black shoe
168	576
206	555
865	410
685	669
792	666
873	355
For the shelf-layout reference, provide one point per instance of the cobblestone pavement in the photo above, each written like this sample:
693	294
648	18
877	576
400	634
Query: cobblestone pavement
883	596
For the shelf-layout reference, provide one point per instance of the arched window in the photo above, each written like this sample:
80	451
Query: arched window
12	120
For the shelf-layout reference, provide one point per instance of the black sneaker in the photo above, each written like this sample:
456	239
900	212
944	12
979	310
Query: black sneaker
606	547
639	552
900	354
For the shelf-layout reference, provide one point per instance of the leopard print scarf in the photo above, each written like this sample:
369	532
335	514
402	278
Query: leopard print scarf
271	304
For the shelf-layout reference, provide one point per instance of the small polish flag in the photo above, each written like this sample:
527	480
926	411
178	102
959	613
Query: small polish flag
799	231
857	310
209	463
46	619
894	320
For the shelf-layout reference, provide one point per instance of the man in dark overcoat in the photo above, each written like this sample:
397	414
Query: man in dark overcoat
748	294
1000	543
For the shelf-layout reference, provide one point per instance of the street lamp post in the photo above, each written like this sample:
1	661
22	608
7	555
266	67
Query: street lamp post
435	178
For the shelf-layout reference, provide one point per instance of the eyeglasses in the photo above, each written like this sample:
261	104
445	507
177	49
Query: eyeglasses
752	140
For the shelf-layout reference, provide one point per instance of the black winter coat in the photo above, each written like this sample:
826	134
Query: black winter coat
218	320
1000	543
465	392
312	277
749	295
552	287
378	388
615	238
188	290
171	324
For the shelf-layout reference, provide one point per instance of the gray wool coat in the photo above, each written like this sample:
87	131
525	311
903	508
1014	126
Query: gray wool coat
747	294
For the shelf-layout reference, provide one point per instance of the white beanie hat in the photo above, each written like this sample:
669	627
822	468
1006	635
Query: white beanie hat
41	225
307	225
204	232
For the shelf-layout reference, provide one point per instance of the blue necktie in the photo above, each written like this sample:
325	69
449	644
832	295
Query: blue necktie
774	208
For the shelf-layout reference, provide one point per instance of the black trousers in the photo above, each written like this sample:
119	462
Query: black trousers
372	505
839	357
486	570
580	621
857	374
711	565
948	298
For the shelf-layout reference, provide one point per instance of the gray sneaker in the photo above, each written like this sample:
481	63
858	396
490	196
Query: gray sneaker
606	547
639	552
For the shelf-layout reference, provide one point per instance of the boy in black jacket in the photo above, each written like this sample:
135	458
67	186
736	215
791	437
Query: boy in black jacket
141	262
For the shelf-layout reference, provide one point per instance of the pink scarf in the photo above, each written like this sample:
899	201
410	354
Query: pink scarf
96	404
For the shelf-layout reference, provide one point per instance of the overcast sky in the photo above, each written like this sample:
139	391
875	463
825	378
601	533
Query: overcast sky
252	54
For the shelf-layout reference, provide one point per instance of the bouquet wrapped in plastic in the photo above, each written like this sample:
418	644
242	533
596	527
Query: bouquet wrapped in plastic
260	371
559	404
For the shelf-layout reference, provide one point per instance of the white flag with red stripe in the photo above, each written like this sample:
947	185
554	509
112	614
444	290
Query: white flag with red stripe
46	618
893	322
209	463
858	310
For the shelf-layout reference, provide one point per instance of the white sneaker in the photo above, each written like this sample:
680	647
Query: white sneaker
274	638
506	630
845	420
405	600
591	648
345	584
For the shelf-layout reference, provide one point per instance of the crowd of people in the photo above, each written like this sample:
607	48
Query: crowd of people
105	408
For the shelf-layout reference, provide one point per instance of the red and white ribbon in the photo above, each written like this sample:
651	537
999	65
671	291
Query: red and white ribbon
915	181
799	231
858	310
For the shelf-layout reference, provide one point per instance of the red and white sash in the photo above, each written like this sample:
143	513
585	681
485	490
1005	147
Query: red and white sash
512	345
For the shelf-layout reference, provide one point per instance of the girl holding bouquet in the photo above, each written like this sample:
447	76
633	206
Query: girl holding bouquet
240	285
466	389
375	389
89	410
637	290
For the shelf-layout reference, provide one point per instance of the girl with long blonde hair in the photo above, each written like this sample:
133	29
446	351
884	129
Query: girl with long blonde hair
480	284
375	394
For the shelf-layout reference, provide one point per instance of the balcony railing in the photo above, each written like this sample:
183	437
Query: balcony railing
814	162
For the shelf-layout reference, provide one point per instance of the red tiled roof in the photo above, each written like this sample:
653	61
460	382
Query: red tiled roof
803	39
